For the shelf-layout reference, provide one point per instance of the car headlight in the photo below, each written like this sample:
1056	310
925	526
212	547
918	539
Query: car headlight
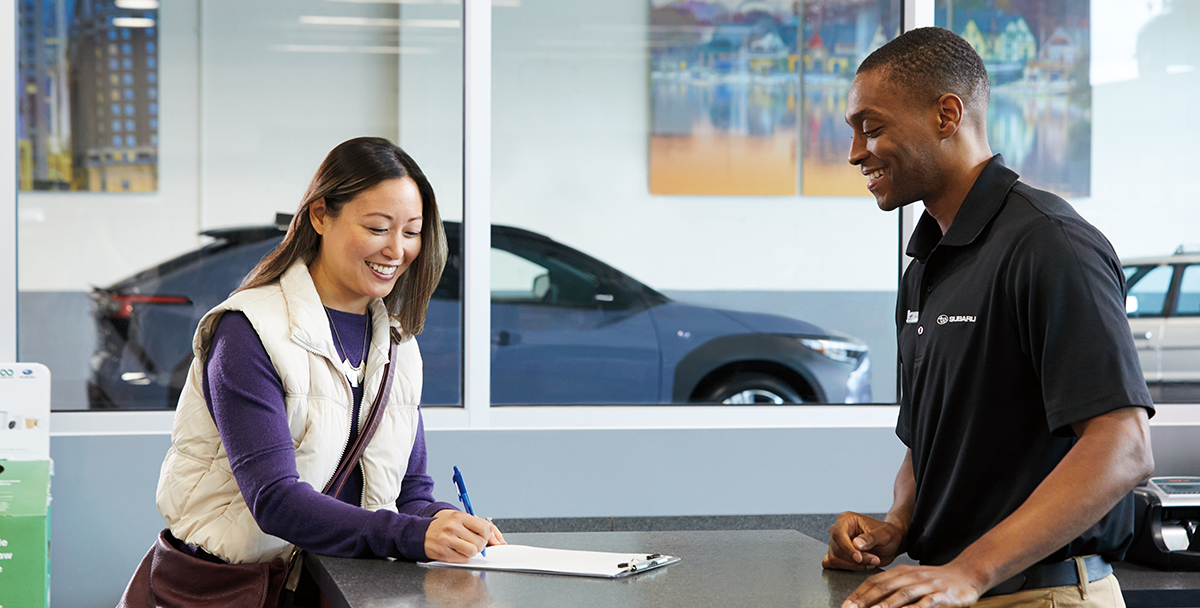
838	350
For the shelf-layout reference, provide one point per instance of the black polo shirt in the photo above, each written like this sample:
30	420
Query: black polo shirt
1011	327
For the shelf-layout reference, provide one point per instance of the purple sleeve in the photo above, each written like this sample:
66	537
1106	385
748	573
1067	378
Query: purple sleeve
245	396
416	493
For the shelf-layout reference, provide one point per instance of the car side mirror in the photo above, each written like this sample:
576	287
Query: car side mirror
1131	304
541	286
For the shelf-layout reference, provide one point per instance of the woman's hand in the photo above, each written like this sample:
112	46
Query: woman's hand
456	537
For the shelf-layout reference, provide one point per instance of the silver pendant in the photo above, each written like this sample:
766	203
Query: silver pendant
354	374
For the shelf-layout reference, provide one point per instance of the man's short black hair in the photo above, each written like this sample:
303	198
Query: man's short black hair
929	62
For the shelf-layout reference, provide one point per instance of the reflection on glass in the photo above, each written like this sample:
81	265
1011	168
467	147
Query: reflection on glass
1037	58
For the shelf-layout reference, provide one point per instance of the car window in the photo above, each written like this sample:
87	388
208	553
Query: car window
515	279
1189	292
544	272
1149	285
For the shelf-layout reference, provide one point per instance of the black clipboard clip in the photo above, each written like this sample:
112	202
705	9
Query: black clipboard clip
651	561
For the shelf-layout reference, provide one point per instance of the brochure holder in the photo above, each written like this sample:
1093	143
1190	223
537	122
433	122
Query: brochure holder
25	470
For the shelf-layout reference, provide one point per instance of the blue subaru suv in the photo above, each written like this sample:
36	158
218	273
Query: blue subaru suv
566	329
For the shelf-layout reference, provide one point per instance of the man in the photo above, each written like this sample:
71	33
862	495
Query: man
1023	404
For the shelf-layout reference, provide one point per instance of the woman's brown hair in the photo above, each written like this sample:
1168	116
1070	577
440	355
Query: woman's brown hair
351	168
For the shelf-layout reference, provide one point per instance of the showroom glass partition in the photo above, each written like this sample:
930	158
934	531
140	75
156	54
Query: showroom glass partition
675	217
228	108
1074	85
608	269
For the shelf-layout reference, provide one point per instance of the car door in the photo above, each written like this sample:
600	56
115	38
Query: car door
1181	341
561	334
1146	291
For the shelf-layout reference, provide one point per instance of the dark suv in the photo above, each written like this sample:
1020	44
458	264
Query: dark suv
566	329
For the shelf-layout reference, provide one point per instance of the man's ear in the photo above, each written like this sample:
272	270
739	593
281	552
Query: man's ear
950	115
317	213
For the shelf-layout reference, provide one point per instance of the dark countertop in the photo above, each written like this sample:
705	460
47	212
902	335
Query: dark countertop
750	568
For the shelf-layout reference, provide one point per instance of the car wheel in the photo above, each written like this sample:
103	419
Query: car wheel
751	388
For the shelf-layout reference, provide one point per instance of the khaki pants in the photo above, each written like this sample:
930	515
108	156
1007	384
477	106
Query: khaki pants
1103	593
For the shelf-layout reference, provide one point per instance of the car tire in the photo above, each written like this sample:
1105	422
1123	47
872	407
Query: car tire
751	388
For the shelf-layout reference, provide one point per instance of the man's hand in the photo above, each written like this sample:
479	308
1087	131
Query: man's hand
456	537
921	586
858	542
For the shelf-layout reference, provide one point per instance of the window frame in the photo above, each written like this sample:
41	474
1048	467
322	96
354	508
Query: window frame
476	412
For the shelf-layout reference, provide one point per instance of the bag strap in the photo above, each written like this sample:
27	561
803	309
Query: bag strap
334	487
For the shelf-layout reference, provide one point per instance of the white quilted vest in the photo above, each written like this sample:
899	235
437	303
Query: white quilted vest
197	493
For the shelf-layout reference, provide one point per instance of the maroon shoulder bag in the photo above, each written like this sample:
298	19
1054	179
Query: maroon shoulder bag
170	578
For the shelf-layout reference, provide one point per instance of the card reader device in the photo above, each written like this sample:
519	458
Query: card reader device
1166	522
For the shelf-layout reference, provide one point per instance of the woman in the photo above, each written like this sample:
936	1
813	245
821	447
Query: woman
286	363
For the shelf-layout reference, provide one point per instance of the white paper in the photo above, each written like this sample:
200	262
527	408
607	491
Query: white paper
522	558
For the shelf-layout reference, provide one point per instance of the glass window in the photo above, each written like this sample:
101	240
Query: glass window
126	63
1147	291
1188	302
151	62
113	64
673	219
127	78
516	279
112	348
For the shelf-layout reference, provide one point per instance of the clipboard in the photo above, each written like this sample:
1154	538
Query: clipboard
539	560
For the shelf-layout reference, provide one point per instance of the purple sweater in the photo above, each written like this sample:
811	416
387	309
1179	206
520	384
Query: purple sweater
246	399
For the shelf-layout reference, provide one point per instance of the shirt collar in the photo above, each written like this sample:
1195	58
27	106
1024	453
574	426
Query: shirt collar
978	208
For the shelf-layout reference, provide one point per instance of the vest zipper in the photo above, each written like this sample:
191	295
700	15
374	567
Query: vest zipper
367	381
354	423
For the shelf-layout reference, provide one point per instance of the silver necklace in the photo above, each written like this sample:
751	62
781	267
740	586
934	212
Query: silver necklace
354	373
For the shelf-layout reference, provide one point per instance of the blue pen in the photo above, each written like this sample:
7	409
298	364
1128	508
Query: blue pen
463	498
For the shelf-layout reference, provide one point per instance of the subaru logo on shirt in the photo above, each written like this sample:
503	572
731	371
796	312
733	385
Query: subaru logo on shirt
943	319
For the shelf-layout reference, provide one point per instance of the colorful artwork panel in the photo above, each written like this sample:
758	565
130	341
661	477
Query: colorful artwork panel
725	90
